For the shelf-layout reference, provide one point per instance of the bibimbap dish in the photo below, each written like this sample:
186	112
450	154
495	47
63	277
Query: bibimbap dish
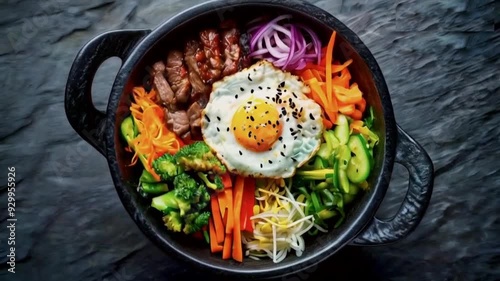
249	144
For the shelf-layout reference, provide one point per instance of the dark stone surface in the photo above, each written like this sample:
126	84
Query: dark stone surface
440	60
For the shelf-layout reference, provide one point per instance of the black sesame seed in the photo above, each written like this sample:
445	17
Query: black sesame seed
260	165
282	84
227	129
274	126
218	118
284	90
294	95
255	107
311	116
206	117
248	117
249	102
281	115
278	122
294	133
251	91
218	130
269	88
262	140
260	88
241	153
270	162
258	143
234	128
254	137
287	119
284	146
299	126
291	129
236	96
282	154
301	110
250	134
274	99
251	118
293	159
269	122
314	128
267	112
352	154
241	89
249	77
280	138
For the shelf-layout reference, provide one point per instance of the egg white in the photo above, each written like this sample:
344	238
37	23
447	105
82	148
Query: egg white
261	81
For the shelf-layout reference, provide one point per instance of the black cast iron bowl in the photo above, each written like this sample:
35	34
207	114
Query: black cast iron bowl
139	48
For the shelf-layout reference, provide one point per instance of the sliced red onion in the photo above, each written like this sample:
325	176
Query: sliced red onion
284	45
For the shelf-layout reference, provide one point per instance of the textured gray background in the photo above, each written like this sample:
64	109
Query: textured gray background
441	63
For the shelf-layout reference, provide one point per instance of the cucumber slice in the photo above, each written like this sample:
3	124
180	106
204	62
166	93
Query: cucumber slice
342	130
335	177
343	181
344	156
360	165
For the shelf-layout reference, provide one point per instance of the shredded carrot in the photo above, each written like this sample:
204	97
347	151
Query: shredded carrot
331	88
154	138
329	57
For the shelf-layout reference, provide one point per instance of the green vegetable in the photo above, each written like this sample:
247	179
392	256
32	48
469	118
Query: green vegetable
342	129
154	187
324	151
344	156
198	157
166	167
315	174
194	222
185	187
147	177
370	118
360	165
169	202
216	185
129	132
173	221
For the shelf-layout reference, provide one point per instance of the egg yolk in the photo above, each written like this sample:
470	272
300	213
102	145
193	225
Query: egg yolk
256	125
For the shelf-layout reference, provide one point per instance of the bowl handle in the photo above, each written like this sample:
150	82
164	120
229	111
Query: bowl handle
85	119
421	171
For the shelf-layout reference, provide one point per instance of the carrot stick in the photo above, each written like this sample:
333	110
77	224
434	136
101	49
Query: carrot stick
329	56
226	180
216	215
228	243
230	213
238	197
214	244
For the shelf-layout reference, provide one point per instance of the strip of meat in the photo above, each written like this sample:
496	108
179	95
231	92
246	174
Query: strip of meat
194	114
210	60
190	51
232	50
177	122
163	88
177	76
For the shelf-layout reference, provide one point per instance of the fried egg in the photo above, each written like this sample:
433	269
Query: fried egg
260	122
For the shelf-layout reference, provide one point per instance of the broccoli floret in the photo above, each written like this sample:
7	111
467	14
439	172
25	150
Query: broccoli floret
203	198
173	221
194	222
198	156
216	185
169	201
166	167
186	187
